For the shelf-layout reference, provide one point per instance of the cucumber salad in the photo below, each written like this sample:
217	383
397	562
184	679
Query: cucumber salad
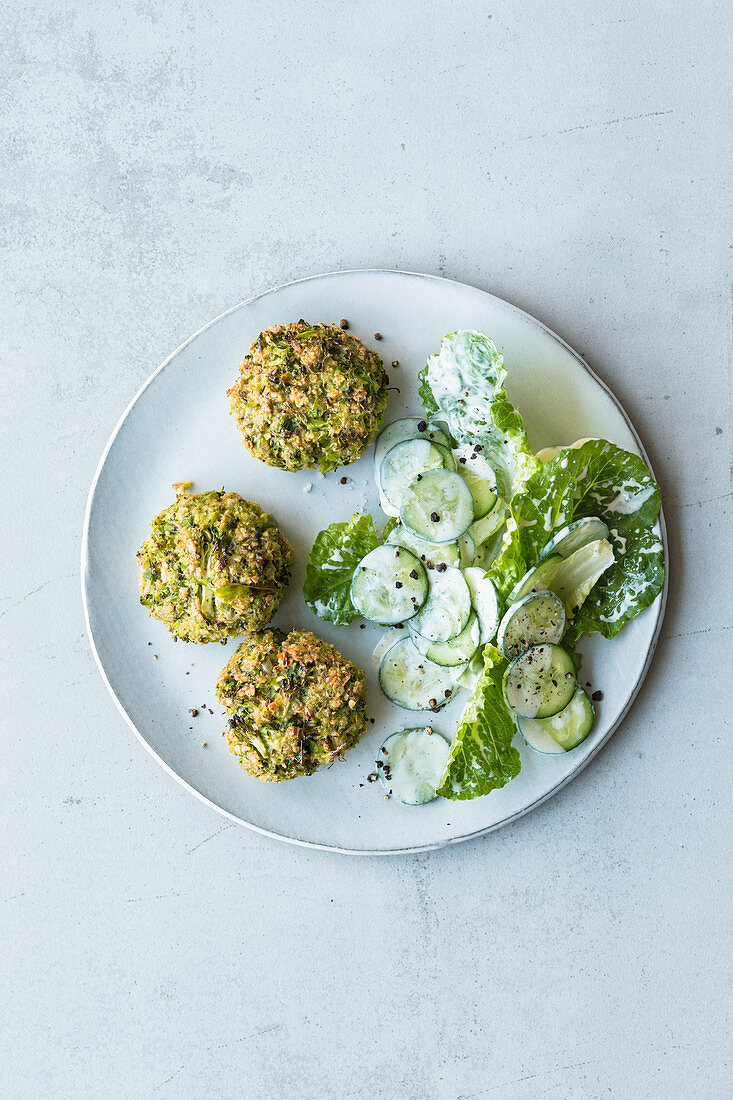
489	567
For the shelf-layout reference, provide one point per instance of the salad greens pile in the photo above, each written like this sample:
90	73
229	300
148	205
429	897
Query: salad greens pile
462	388
595	479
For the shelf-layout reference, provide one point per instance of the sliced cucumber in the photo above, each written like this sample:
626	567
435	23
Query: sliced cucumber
536	579
488	550
437	506
446	611
531	620
564	731
534	733
411	681
409	427
391	635
429	553
456	651
411	763
482	529
408	460
540	682
389	585
576	534
574	577
483	598
467	548
479	476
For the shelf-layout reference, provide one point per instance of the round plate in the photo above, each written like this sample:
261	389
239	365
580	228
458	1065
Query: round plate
179	428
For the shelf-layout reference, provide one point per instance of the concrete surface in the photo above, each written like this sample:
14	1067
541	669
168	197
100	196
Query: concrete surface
162	161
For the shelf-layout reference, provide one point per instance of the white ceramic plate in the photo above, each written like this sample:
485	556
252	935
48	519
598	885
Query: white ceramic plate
179	428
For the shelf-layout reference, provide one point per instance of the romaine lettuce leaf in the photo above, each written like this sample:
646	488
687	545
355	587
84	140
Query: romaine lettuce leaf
481	756
509	565
596	479
464	384
334	556
574	577
629	586
424	392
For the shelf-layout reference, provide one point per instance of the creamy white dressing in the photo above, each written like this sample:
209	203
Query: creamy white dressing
385	643
415	761
619	541
550	524
627	603
629	497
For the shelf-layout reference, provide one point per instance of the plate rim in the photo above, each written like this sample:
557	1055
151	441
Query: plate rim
84	563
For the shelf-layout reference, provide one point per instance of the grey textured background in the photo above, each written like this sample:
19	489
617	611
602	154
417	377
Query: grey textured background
162	161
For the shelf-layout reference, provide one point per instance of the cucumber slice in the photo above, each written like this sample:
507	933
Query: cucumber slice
531	620
576	534
389	585
534	733
562	732
407	459
409	427
447	608
429	553
536	579
437	506
482	529
540	682
488	550
479	476
456	651
391	635
574	577
410	764
467	548
411	681
483	598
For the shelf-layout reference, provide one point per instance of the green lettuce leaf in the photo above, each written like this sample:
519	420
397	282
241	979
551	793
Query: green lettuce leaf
596	479
482	757
425	393
334	556
625	589
509	565
464	384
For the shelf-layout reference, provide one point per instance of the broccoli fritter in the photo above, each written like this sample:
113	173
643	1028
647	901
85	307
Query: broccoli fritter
309	396
294	702
213	566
